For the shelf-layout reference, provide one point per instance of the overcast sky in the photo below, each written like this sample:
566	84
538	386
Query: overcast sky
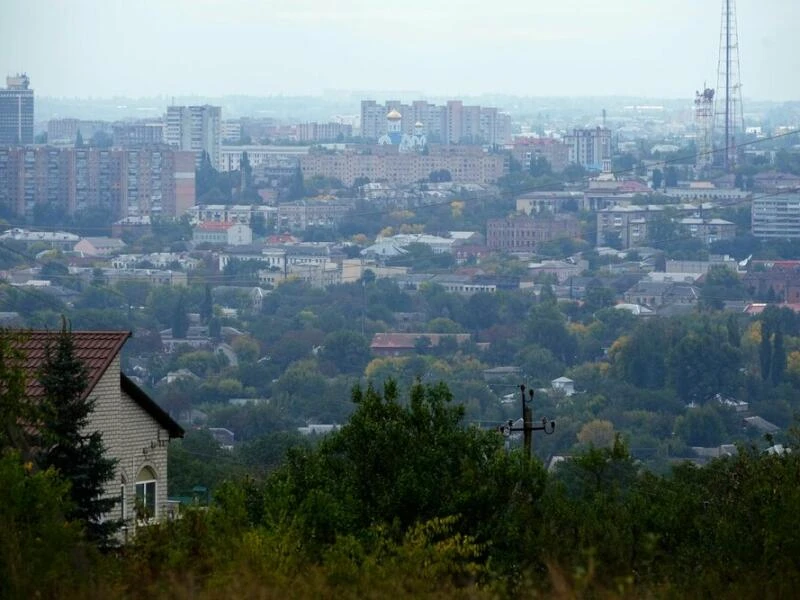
653	48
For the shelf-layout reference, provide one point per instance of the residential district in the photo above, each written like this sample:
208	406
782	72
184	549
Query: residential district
608	258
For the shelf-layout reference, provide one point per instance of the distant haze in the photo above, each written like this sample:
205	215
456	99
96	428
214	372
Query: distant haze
648	48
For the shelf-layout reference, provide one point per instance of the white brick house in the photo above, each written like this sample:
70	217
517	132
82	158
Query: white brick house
136	431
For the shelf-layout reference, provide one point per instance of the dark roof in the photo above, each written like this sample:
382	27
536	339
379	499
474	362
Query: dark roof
95	349
149	405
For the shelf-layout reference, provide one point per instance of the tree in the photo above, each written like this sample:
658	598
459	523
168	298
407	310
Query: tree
440	176
180	319
79	140
657	179
347	350
778	366
207	307
671	177
540	166
78	455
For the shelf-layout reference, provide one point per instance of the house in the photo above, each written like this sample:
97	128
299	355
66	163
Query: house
99	246
564	385
136	431
397	344
501	373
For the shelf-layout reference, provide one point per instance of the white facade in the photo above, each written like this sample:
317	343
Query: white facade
590	148
776	216
197	129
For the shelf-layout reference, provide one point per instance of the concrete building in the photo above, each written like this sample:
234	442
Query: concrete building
549	202
134	134
708	230
452	123
556	152
128	182
590	148
776	216
16	111
222	234
231	213
303	214
524	234
258	155
628	224
323	132
196	129
466	164
65	131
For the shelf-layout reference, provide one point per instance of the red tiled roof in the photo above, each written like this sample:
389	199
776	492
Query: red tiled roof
408	340
95	349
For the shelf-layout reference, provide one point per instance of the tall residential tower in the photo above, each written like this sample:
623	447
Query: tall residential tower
16	111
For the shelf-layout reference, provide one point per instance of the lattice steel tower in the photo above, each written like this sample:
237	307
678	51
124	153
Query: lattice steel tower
728	116
704	126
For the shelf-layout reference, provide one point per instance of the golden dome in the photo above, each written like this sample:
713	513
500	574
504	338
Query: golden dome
394	115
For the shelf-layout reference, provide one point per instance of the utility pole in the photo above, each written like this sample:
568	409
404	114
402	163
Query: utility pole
527	429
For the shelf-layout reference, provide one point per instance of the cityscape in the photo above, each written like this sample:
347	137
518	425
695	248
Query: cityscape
373	340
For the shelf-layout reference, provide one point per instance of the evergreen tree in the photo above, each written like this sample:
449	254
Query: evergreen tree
79	140
180	320
778	358
765	350
207	307
67	446
13	407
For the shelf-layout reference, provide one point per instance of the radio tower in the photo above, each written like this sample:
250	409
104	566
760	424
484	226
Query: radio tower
704	125
728	117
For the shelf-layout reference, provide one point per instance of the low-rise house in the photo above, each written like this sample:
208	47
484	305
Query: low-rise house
565	385
398	344
222	234
99	246
136	431
58	240
501	373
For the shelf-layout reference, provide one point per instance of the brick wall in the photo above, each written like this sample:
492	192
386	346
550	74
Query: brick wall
132	437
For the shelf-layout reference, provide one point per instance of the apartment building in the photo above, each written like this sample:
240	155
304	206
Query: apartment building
323	132
196	129
776	216
128	182
466	164
524	234
138	133
590	148
16	111
628	224
452	123
556	152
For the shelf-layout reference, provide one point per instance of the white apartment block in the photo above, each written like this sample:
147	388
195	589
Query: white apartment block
776	216
590	148
197	129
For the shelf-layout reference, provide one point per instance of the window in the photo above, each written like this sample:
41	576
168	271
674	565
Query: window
146	495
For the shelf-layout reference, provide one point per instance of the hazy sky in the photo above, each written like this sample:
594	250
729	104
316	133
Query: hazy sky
657	48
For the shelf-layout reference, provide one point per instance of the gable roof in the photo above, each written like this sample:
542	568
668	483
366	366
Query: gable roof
95	349
150	407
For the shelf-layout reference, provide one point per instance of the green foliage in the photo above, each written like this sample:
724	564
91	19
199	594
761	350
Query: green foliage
77	455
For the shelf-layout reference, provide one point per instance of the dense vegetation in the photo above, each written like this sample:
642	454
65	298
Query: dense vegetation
407	500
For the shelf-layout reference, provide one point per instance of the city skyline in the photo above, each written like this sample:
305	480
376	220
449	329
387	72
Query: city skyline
666	49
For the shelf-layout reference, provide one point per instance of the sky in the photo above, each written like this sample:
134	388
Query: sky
643	48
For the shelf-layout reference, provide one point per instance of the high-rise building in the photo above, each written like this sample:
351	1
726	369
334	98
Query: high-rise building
590	148
452	123
152	180
776	216
16	111
196	129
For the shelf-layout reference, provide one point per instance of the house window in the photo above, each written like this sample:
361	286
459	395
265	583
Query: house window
146	495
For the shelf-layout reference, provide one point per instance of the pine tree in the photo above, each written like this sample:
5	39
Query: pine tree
79	140
765	350
67	446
